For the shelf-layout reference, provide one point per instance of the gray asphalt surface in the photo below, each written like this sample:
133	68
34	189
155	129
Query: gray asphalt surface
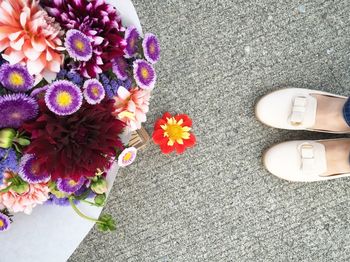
217	202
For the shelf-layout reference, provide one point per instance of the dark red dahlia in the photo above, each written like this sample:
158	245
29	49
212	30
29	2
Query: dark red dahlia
100	22
77	145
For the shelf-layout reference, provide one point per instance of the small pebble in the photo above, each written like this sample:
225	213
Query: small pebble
330	50
301	8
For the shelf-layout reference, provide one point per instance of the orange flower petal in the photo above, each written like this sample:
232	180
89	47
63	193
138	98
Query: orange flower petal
191	141
180	149
36	66
166	149
187	121
38	43
158	124
30	52
158	137
166	115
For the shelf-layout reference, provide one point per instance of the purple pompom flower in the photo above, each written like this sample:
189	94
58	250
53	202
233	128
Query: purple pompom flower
15	109
29	170
8	162
144	74
78	45
120	67
70	186
4	222
93	91
151	48
63	201
63	98
16	78
131	37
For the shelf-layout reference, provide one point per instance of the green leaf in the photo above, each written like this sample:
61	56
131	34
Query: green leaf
23	141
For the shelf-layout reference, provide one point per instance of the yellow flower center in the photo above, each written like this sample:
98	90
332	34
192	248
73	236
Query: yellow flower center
127	156
16	79
64	99
175	131
34	169
95	91
16	115
72	182
132	43
152	48
1	223
79	45
144	73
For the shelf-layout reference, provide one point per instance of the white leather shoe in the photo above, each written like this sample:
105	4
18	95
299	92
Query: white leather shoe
299	161
291	108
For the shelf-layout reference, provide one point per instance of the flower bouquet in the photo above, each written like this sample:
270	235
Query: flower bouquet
73	82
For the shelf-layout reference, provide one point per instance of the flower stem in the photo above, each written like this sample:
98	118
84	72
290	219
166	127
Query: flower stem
88	202
75	208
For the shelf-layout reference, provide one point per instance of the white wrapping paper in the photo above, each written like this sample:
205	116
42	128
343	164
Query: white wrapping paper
52	233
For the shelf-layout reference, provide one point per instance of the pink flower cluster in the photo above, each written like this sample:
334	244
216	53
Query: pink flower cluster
132	106
14	202
30	37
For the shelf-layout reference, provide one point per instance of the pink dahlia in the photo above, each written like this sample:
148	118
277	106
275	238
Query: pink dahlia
14	202
29	36
97	20
132	106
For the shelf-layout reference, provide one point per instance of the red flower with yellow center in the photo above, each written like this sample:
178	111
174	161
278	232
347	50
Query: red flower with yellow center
173	133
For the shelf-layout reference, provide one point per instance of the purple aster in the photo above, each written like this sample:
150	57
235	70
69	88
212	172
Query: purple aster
131	37
70	186
37	91
93	91
144	74
29	171
151	48
4	222
120	67
15	109
78	45
63	98
8	162
16	78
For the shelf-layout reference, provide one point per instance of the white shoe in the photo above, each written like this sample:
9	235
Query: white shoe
291	108
299	161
